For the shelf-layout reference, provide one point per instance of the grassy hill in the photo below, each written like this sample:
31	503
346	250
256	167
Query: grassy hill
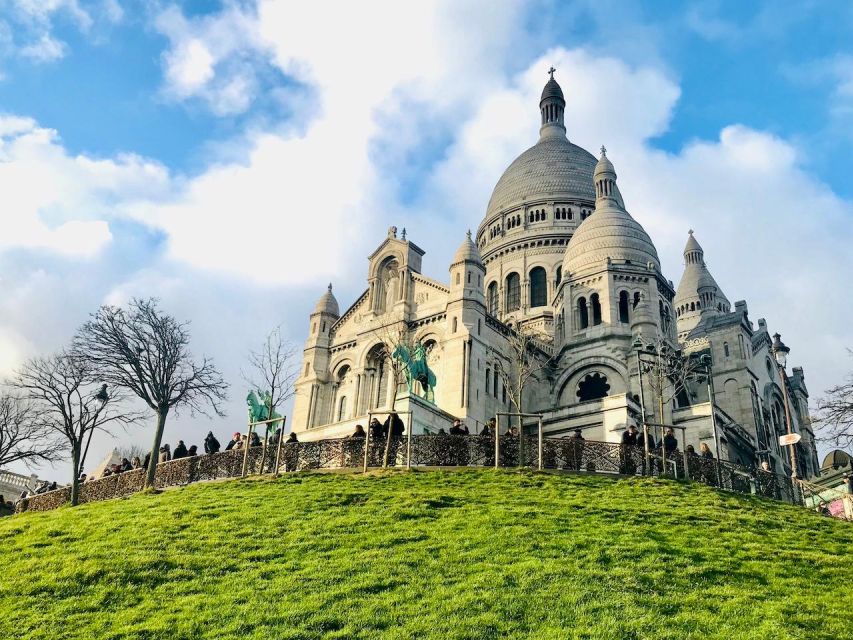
462	554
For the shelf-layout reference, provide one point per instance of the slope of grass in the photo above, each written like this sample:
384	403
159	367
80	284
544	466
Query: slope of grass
462	554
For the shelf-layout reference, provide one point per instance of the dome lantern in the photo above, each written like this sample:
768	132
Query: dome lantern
552	106
328	304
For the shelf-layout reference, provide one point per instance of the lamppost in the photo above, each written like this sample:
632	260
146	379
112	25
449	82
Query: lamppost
780	353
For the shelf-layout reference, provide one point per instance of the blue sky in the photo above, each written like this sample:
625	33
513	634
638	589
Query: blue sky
159	148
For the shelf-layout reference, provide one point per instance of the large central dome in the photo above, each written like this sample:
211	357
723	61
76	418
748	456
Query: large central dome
553	168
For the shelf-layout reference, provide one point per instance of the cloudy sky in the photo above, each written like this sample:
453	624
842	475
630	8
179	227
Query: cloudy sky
234	157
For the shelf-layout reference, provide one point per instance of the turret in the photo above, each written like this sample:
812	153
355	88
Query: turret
467	272
698	294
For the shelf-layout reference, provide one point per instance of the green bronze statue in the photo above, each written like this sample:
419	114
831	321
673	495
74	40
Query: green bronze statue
417	370
260	408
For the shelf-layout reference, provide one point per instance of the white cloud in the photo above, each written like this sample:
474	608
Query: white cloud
53	200
45	49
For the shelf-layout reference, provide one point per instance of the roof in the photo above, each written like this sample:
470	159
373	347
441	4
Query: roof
468	252
553	168
552	89
328	303
836	459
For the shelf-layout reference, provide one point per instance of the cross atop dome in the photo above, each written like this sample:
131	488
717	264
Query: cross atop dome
551	71
603	151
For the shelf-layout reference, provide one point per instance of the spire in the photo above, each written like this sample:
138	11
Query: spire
552	105
468	251
698	294
328	303
604	177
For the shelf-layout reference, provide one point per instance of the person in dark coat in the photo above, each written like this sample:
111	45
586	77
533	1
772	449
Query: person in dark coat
256	439
358	433
394	424
192	452
456	429
487	430
233	442
629	436
670	444
180	451
649	438
211	444
375	429
705	452
146	460
125	465
291	438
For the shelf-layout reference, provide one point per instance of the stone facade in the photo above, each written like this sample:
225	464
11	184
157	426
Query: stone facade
557	256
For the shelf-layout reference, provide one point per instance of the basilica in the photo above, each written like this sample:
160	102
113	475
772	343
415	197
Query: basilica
557	257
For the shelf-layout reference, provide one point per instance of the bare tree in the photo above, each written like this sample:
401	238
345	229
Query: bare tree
131	451
834	420
146	351
274	369
525	357
23	436
70	402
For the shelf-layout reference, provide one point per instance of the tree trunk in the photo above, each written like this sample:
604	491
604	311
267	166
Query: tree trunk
75	480
155	449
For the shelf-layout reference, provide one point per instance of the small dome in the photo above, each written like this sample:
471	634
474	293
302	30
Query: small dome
692	244
552	90
468	251
610	232
837	459
328	304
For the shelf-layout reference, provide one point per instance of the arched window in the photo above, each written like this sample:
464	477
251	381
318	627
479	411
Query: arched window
458	277
596	309
726	349
488	381
538	287
623	307
559	274
495	383
455	324
513	292
583	314
592	387
493	298
342	408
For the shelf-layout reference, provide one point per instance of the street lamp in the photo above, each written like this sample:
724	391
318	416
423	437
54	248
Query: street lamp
780	353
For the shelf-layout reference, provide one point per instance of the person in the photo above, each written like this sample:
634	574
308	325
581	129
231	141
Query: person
670	444
211	444
136	463
53	487
43	487
705	451
823	509
256	439
291	438
359	432
125	465
165	453
395	424
765	466
82	478
487	430
456	429
629	442
107	472
441	432
192	452
512	431
180	451
146	460
691	450
234	442
375	429
629	437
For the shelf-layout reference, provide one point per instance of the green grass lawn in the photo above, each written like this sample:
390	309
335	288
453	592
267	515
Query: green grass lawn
459	554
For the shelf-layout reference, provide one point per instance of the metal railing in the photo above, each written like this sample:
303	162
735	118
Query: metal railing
442	450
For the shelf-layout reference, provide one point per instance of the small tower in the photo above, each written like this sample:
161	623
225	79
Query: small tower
325	314
552	106
467	272
698	295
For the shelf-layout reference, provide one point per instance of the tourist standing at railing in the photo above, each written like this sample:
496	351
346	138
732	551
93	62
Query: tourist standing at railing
705	451
165	454
487	430
629	436
456	429
234	442
375	428
358	433
393	425
180	451
192	452
291	438
629	444
136	463
125	465
670	443
211	444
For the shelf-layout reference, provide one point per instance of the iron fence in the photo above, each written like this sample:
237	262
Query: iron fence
442	450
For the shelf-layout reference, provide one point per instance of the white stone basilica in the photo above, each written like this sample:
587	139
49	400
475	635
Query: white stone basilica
557	254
